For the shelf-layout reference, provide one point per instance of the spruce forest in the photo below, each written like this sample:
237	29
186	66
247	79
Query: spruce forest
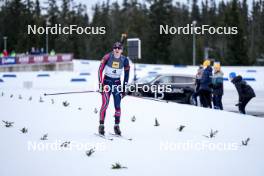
140	19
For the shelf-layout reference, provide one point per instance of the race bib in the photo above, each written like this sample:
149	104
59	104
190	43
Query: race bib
115	65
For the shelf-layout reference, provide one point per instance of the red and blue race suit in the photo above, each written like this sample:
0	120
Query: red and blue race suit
112	68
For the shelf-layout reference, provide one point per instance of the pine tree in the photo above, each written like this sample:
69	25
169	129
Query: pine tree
195	14
51	19
140	19
100	44
236	44
160	14
181	45
256	34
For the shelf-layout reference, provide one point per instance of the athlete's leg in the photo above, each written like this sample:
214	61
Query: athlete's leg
117	102
105	102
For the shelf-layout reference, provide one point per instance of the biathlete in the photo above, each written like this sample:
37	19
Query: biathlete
112	65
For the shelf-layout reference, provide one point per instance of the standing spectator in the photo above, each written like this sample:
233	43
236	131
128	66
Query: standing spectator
52	52
198	77
42	51
245	91
13	53
5	53
205	82
217	85
37	51
33	51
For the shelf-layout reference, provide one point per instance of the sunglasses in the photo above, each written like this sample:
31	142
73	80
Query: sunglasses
118	48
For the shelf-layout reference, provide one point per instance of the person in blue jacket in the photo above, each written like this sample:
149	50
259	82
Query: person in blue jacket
205	82
112	65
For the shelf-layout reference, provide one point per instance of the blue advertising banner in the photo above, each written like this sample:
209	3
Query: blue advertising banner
7	60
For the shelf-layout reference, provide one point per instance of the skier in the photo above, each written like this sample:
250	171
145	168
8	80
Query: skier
205	89
218	87
112	64
245	91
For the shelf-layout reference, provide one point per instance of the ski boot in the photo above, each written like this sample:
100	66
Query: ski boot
117	130
101	129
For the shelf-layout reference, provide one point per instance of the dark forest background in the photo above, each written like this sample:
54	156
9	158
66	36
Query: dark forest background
140	19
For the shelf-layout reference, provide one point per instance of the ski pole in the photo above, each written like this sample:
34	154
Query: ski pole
61	93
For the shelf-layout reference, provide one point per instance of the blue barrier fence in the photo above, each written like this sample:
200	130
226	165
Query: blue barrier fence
246	79
9	76
141	65
43	75
78	80
152	72
85	62
85	74
252	71
249	79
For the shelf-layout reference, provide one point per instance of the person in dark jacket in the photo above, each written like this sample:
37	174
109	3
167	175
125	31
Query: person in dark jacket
218	86
205	82
245	91
197	85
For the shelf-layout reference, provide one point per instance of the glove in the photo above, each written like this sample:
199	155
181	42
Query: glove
124	89
123	94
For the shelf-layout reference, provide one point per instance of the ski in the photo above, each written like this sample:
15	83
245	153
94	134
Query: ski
121	137
103	136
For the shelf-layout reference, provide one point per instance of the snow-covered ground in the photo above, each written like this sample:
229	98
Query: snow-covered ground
154	150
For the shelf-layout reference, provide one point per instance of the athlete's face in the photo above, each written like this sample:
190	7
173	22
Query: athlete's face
117	51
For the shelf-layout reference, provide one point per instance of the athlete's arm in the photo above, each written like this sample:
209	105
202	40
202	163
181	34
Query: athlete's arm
102	66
